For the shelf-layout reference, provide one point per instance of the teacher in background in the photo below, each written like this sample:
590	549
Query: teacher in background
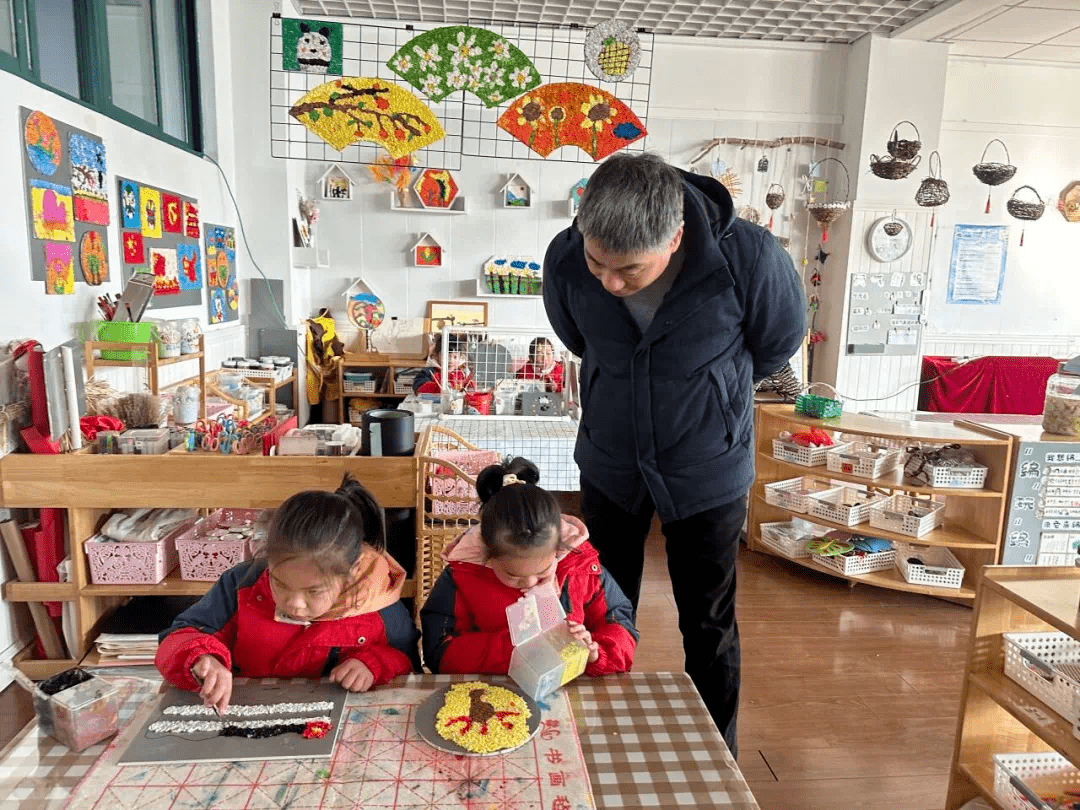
676	307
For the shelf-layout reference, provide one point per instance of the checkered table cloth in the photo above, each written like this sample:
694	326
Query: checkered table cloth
647	739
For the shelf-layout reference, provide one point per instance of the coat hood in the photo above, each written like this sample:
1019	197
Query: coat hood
377	579
469	547
714	199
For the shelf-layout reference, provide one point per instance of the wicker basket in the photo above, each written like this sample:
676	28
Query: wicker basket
774	197
903	149
1025	209
827	212
933	190
889	168
994	174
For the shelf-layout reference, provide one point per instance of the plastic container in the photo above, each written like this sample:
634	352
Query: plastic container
190	331
168	337
936	565
144	441
137	563
788	539
863	460
1061	409
545	655
855	563
1047	665
186	404
219	541
794	493
121	332
81	710
803	456
906	515
844	505
1020	780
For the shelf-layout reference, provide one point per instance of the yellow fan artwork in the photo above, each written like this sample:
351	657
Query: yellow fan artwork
353	109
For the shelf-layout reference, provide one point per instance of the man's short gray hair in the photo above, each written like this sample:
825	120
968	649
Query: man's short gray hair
632	204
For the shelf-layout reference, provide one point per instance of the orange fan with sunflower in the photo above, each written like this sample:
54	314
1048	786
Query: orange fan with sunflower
572	114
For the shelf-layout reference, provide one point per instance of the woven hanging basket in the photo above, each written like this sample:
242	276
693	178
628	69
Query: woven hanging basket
902	149
933	190
888	167
892	228
774	197
1025	209
828	212
994	174
750	214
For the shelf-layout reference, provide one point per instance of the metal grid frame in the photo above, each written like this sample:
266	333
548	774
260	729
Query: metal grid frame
775	20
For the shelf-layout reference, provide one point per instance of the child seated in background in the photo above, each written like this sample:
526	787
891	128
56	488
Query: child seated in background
543	366
429	380
522	541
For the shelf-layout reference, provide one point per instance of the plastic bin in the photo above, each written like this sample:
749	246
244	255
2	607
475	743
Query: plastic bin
1037	662
803	456
144	441
205	553
139	563
855	563
788	538
794	493
896	514
1020	780
83	712
545	655
938	566
862	460
844	505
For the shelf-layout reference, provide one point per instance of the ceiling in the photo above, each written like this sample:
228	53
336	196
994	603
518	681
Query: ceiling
787	20
1038	30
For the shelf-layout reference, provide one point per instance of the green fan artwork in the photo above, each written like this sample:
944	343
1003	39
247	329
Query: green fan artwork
462	57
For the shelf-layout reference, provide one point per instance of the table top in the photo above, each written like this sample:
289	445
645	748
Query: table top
647	740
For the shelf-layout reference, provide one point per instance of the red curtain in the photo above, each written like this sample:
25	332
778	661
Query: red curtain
985	385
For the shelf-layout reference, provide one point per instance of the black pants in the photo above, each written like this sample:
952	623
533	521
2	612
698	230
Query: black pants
701	553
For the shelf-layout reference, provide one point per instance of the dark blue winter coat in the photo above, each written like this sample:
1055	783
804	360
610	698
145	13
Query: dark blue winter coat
670	412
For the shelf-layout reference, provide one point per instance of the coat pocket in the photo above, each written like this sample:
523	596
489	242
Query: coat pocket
723	397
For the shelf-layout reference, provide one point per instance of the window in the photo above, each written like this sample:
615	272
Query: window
134	60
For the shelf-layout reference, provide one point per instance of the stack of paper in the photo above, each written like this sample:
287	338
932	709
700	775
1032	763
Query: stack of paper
132	648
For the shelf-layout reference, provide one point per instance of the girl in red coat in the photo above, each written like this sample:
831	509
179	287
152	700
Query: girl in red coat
522	541
542	365
325	602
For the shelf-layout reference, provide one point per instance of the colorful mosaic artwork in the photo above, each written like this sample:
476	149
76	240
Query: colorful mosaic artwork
166	274
311	46
93	258
88	170
150	206
61	273
52	212
190	266
43	144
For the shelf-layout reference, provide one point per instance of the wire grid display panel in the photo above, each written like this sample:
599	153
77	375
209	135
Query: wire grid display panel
366	49
548	443
471	128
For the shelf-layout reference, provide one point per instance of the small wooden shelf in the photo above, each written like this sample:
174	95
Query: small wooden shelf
172	585
893	480
981	776
15	591
967	433
151	362
950	536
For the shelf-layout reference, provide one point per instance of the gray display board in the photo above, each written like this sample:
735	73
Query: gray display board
1044	512
160	233
67	201
885	311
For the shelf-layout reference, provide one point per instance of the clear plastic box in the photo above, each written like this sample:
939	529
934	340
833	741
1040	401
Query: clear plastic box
80	714
144	441
545	655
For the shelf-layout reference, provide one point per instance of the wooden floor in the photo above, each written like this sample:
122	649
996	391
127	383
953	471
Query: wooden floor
849	697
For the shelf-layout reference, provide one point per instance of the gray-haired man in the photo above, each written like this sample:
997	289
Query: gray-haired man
675	307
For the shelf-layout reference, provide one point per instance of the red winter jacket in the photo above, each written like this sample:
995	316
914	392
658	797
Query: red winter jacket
464	618
235	622
553	377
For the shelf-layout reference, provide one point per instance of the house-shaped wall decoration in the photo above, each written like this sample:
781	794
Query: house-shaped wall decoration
577	191
427	252
336	183
516	192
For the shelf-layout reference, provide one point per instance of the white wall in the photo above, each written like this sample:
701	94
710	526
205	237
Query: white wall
1035	110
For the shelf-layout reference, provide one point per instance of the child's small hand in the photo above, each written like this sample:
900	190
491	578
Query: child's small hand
216	682
352	675
582	634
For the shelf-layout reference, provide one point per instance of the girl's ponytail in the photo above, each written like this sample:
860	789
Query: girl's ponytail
371	514
516	514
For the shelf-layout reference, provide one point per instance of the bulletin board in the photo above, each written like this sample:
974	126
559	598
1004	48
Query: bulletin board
885	312
222	288
67	201
160	233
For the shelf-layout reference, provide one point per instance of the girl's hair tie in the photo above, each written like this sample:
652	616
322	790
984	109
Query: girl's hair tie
510	478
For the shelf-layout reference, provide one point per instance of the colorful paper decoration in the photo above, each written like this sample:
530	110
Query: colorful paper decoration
345	111
166	275
134	252
223	290
191	220
461	57
311	46
572	114
129	206
189	266
436	188
60	274
43	144
366	311
232	294
172	214
427	252
93	259
150	206
88	169
217	305
612	51
51	206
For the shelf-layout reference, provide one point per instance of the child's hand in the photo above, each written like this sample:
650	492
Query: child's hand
581	633
216	682
352	675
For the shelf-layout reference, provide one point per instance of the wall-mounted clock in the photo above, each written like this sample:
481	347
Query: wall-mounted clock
888	239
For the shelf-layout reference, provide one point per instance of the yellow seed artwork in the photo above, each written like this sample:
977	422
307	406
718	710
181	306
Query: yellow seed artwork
482	718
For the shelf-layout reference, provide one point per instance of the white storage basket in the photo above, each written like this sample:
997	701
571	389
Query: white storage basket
784	450
780	541
939	565
893	514
861	460
973	477
843	505
854	564
1034	661
367	387
1020	779
794	493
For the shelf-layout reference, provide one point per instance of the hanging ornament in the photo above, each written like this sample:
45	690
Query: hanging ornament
774	198
815	279
731	182
933	191
822	256
828	212
993	174
763	164
1025	210
750	214
815	302
817	336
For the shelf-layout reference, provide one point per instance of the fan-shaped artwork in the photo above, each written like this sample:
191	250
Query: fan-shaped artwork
612	51
348	110
461	57
572	114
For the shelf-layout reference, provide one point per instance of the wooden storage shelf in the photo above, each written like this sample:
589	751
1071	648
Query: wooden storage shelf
88	486
151	363
997	715
974	520
385	366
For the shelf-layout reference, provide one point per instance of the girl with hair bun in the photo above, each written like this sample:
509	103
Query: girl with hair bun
322	600
522	541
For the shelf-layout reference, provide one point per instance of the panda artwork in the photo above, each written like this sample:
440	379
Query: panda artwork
313	51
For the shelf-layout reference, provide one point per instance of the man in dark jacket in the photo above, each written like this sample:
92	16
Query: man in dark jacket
675	307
